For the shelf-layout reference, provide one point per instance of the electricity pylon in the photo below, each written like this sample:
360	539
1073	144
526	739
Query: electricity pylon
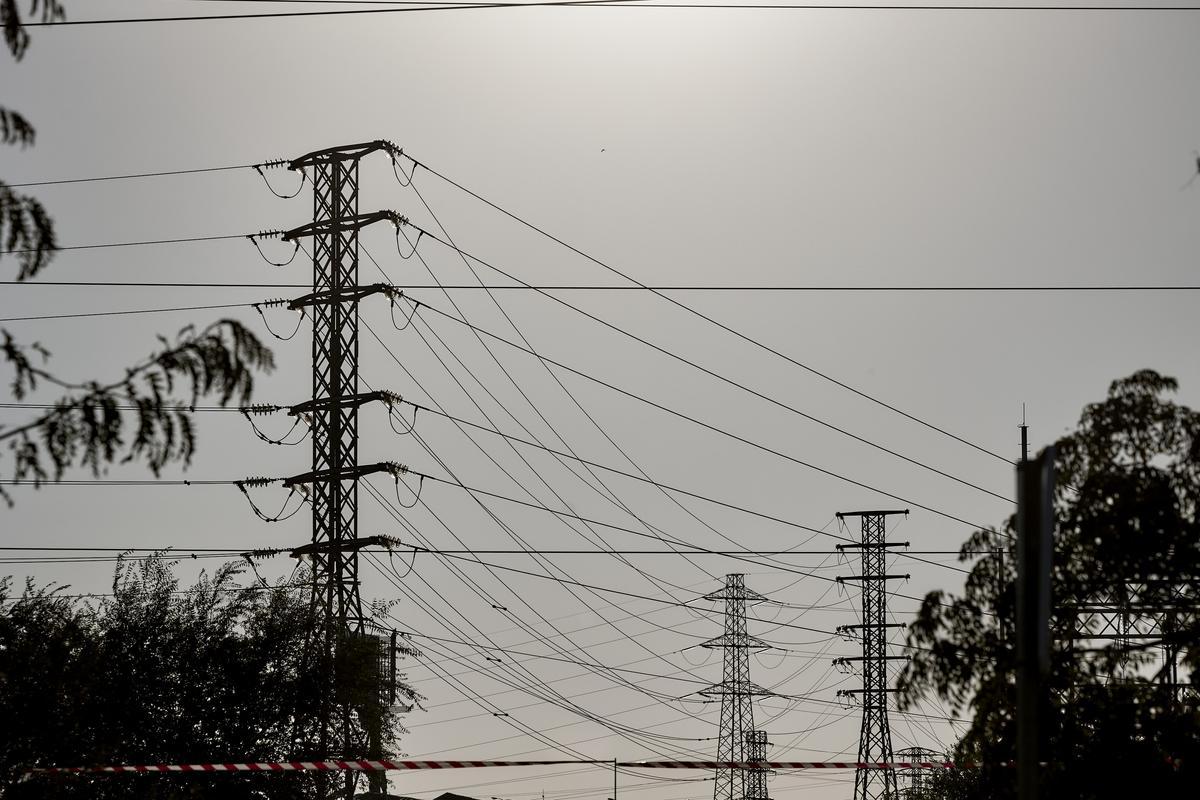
343	651
736	690
916	780
875	737
756	777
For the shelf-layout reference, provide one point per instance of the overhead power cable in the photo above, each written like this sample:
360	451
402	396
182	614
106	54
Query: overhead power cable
334	13
133	175
537	688
693	420
127	312
130	244
713	374
658	600
628	4
598	486
111	482
578	287
711	320
183	550
706	497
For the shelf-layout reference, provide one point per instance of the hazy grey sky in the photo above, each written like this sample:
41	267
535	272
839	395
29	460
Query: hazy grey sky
732	147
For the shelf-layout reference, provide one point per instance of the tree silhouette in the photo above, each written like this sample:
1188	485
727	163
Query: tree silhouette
160	674
1127	540
137	416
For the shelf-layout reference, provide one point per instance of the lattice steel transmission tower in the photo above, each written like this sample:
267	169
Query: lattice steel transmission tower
756	777
342	642
736	690
875	738
916	781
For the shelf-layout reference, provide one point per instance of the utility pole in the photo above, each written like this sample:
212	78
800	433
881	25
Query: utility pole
875	737
736	690
1024	436
342	645
1035	530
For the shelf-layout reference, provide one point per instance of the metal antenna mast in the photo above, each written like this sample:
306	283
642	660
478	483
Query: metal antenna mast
736	691
342	639
875	739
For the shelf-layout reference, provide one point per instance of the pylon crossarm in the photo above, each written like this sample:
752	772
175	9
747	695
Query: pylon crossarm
346	474
347	401
349	294
349	152
844	514
325	227
844	578
344	546
872	625
744	640
861	545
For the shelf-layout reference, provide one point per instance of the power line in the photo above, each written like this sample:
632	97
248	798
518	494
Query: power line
180	550
711	320
126	312
693	420
109	482
711	373
356	11
577	287
131	176
666	487
610	4
155	284
129	244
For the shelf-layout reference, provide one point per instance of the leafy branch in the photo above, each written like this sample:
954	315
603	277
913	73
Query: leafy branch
15	34
90	428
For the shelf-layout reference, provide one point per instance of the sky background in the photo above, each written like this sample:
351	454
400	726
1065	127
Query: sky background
683	147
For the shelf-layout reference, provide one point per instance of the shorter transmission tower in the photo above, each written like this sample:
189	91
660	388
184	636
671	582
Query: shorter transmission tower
756	777
875	738
737	694
916	782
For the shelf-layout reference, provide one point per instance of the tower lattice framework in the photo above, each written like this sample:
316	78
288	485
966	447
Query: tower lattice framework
915	782
756	777
341	640
875	737
736	690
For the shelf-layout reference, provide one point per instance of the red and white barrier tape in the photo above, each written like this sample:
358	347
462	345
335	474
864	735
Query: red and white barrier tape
379	766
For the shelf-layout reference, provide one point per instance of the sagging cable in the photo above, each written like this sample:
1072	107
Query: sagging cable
279	164
279	517
416	495
282	440
411	313
279	302
393	414
398	170
413	244
254	239
392	565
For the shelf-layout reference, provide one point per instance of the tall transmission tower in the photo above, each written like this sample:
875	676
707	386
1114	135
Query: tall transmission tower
875	738
916	781
737	693
342	644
